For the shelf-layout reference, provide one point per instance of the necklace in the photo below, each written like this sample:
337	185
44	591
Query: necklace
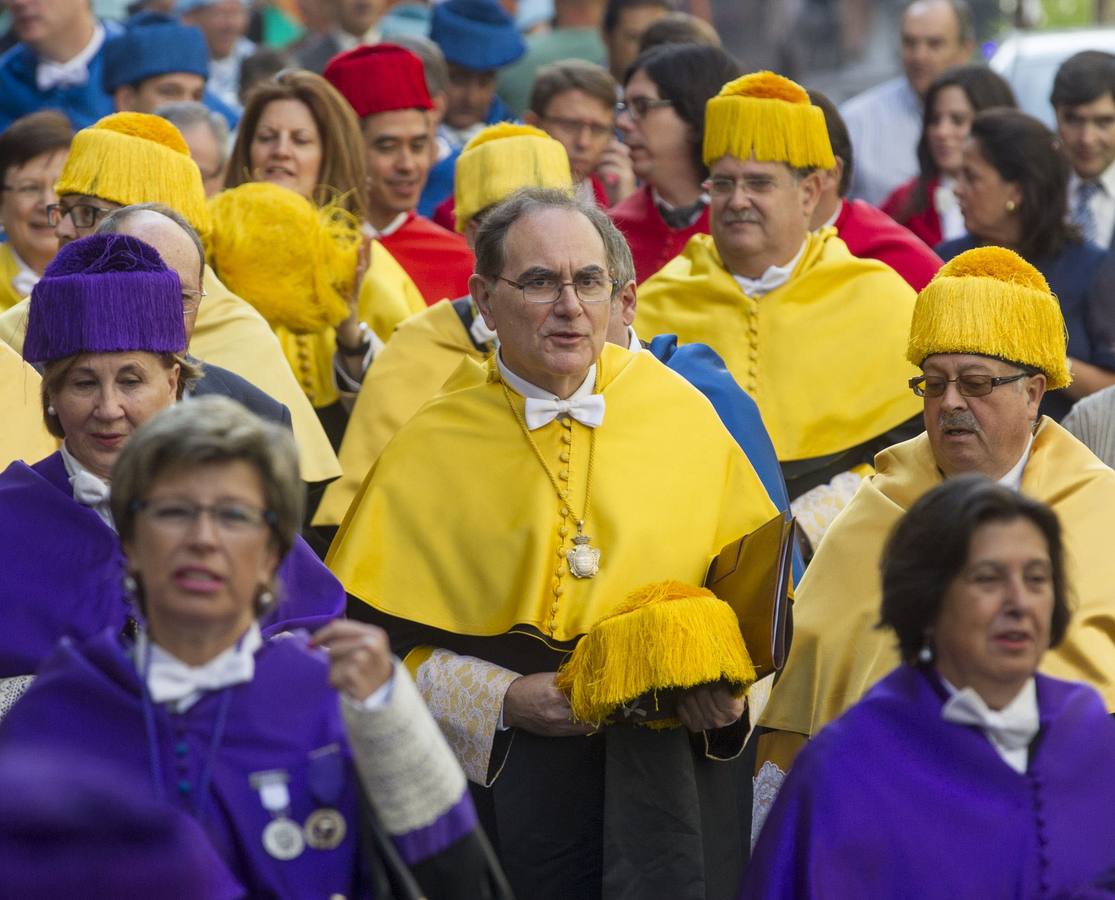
583	558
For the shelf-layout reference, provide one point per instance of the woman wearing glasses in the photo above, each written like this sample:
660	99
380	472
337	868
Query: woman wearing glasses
32	152
106	321
268	745
1012	190
662	118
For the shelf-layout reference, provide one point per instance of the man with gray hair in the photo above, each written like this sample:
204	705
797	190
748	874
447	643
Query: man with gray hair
181	249
206	134
517	508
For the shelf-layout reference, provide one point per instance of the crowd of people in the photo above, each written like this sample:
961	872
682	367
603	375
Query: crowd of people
382	387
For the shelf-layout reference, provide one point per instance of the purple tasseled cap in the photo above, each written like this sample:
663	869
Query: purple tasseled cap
103	294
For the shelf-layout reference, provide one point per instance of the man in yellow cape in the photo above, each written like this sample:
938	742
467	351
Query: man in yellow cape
428	347
812	333
513	511
989	336
129	158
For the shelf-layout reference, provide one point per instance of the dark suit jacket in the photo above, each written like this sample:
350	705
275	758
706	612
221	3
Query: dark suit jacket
316	51
215	380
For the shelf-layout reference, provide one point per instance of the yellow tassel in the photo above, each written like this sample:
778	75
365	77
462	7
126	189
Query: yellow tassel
770	118
501	159
989	301
664	636
136	158
303	280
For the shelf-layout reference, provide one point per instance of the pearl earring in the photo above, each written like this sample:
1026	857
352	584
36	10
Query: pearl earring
925	654
1011	206
50	411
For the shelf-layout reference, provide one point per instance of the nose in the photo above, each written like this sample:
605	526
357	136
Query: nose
282	146
405	160
952	398
625	122
65	230
47	197
202	530
108	406
568	304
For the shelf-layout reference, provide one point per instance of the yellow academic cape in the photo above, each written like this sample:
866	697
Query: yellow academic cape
387	297
231	334
459	528
23	434
824	356
837	654
9	268
424	351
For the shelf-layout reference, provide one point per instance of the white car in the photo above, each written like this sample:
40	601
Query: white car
1030	59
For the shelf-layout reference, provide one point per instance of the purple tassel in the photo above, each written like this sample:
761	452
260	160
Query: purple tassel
103	294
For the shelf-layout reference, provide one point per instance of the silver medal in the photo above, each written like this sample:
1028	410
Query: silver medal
584	559
282	838
325	829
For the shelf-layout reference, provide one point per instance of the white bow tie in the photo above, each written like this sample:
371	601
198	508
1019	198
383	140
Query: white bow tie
588	410
170	680
89	490
1012	728
50	75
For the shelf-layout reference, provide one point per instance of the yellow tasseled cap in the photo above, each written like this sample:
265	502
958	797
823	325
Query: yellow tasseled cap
131	157
665	637
291	260
501	159
990	301
770	117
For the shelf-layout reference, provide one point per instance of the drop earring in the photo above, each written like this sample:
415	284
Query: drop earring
50	411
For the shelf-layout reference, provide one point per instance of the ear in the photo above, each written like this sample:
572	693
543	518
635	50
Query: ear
809	192
124	98
470	233
1035	390
172	380
626	300
481	293
440	102
1014	194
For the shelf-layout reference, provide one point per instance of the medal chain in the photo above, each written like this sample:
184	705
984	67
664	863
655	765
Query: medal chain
562	494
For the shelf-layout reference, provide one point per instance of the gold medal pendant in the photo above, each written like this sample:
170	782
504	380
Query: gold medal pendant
325	829
584	559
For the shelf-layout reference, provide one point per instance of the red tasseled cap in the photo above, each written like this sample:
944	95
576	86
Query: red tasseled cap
379	78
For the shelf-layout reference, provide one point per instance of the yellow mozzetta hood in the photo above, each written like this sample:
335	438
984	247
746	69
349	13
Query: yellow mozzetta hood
424	351
23	435
9	268
837	654
823	356
458	527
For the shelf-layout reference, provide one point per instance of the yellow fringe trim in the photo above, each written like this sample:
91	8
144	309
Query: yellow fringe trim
292	261
667	635
115	161
991	302
769	117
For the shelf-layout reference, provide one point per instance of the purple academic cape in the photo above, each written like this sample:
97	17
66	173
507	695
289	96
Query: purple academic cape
62	572
890	800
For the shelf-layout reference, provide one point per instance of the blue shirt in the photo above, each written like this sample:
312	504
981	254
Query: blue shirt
884	124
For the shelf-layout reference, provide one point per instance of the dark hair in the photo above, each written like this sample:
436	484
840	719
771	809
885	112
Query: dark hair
571	75
838	137
616	8
678	28
930	546
1082	78
1023	150
265	63
688	75
984	89
965	23
32	135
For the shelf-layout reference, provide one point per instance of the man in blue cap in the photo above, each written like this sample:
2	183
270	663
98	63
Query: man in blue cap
57	63
157	61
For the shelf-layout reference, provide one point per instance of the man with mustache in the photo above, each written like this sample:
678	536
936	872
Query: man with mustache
462	543
386	86
990	340
812	333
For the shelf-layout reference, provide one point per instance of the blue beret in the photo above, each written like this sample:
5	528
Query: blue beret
154	45
476	34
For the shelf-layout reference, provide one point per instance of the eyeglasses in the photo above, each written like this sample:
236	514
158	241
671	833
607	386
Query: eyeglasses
180	516
966	385
725	185
83	215
579	126
29	190
638	107
191	299
590	287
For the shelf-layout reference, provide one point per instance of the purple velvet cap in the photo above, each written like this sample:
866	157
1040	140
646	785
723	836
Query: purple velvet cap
103	294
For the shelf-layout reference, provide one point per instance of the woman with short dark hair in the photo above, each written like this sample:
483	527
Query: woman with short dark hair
662	118
963	773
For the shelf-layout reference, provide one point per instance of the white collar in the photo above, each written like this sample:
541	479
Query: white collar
346	41
531	391
73	71
633	342
662	201
1010	729
169	680
89	489
481	333
390	228
772	279
1013	478
25	277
